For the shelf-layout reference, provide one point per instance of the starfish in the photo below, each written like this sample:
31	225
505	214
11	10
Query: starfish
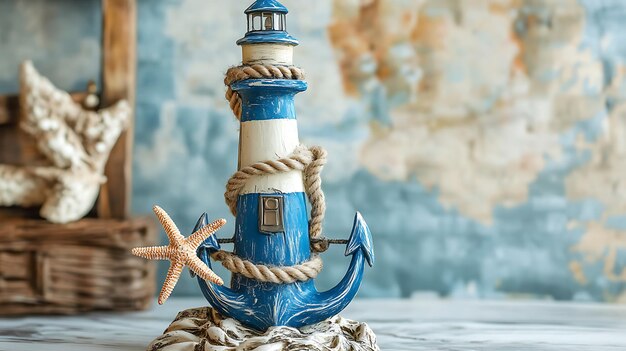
180	252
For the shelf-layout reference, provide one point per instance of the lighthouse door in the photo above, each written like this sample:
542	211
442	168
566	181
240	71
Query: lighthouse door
271	214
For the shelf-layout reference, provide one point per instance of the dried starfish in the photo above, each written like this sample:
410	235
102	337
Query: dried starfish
181	252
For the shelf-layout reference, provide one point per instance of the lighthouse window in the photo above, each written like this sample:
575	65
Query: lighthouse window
267	21
256	21
277	22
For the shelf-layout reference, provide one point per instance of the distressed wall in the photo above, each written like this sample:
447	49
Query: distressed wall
483	141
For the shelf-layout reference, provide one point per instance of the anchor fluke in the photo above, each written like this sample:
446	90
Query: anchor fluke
208	245
313	307
211	243
223	299
360	239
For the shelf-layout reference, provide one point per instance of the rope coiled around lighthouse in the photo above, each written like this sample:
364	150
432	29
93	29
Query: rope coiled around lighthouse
310	161
277	275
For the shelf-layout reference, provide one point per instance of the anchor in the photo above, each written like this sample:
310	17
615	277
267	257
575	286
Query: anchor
272	225
263	305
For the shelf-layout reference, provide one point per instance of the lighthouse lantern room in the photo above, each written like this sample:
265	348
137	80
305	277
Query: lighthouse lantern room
267	40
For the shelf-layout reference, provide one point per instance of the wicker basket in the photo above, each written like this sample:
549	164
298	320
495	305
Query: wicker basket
73	268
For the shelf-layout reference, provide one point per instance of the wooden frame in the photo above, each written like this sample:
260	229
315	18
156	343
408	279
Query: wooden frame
118	82
118	77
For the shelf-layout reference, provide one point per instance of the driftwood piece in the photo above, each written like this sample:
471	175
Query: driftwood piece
75	267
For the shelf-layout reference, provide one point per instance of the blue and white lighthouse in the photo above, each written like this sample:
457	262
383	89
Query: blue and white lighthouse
271	211
272	226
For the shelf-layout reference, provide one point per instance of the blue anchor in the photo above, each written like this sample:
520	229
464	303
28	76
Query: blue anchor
271	225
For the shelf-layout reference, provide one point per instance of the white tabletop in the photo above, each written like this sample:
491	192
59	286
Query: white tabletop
399	324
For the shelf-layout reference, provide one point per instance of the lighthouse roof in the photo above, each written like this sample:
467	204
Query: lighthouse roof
267	5
268	37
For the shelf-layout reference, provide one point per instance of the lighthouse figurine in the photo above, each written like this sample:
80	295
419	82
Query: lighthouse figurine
277	242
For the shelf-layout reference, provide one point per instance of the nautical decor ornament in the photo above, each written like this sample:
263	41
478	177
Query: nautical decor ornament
277	246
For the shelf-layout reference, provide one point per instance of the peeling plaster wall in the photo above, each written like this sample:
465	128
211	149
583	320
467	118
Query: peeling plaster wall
484	141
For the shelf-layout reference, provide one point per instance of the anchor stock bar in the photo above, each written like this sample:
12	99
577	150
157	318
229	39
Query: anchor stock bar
316	240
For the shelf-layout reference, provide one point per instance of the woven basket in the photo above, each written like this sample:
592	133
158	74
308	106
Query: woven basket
73	268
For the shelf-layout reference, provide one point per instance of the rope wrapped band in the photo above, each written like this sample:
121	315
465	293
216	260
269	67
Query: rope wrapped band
239	73
277	275
310	161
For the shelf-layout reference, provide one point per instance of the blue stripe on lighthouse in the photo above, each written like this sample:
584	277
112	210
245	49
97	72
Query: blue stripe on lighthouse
287	248
264	99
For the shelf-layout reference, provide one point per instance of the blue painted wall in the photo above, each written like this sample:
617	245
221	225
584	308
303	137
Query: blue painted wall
483	141
61	38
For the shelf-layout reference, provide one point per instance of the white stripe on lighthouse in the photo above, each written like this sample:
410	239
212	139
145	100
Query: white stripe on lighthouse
267	54
269	140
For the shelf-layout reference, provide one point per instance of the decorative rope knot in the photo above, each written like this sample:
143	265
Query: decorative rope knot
310	161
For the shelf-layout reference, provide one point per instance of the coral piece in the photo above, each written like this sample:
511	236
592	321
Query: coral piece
181	252
76	142
204	329
69	135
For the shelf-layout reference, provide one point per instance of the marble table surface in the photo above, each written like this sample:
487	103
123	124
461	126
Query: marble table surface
399	324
